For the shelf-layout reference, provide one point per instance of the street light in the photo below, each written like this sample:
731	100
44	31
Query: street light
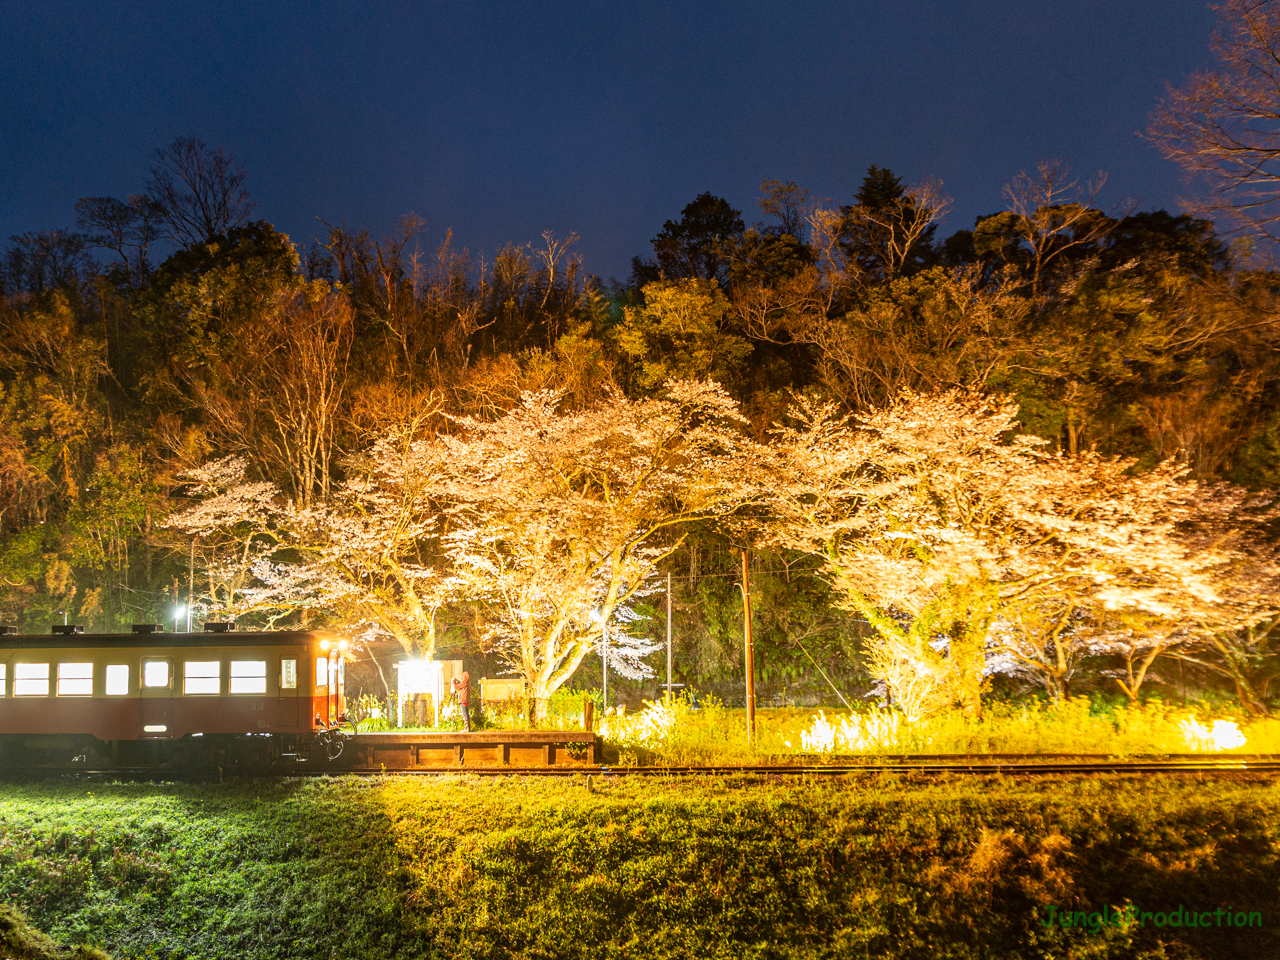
179	612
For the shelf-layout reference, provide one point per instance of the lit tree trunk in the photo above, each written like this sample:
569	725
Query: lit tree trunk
1246	691
968	656
1137	676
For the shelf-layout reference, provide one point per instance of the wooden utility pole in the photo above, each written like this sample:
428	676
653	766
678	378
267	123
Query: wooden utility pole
669	640
750	659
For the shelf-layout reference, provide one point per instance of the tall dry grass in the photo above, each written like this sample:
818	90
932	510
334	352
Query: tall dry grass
682	733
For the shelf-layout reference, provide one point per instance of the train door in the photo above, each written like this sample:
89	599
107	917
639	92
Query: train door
342	684
157	697
335	686
288	706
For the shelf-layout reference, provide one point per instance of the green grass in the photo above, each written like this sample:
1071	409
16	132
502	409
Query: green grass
20	941
460	866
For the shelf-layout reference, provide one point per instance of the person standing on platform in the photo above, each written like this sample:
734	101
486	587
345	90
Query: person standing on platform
462	687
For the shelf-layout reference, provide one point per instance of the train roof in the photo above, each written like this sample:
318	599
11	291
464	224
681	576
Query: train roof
201	638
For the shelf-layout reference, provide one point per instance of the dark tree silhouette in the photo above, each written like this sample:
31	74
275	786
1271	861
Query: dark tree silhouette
693	248
126	227
44	260
199	191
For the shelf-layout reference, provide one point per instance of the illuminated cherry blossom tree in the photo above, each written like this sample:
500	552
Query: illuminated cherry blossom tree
550	520
363	557
956	535
555	519
238	525
1216	603
965	543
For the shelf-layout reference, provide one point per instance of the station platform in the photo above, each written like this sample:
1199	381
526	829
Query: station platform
482	748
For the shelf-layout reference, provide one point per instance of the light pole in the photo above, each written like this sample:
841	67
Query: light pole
749	658
178	613
599	618
668	639
191	583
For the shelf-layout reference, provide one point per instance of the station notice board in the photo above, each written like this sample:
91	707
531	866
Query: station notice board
501	690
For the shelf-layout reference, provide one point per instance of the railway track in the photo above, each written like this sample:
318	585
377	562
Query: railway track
933	766
971	768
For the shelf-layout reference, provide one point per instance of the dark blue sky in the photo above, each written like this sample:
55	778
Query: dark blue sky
501	120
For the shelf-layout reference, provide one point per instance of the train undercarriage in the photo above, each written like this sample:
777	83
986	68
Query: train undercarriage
190	756
336	750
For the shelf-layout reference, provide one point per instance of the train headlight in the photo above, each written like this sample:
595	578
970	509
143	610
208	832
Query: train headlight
324	644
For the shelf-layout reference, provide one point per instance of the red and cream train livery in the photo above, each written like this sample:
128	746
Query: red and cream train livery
274	692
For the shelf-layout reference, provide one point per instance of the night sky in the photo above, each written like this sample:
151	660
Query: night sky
501	120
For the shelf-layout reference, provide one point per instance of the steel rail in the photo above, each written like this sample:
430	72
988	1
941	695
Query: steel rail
933	769
963	767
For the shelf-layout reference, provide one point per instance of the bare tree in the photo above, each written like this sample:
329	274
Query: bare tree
351	250
550	258
199	191
127	227
280	403
883	238
787	203
1053	214
1223	124
1197	424
393	301
43	260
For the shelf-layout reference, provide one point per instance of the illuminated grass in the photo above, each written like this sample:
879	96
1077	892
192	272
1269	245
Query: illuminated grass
716	735
470	867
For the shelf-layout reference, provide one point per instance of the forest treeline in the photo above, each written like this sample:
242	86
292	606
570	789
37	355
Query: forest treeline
176	327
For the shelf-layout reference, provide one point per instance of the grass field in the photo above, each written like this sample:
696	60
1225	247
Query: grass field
468	867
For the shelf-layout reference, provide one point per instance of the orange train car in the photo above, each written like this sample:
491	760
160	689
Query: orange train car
124	698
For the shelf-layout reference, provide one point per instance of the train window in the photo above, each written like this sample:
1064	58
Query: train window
118	679
322	671
30	679
155	673
248	676
202	676
3	677
75	679
288	674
